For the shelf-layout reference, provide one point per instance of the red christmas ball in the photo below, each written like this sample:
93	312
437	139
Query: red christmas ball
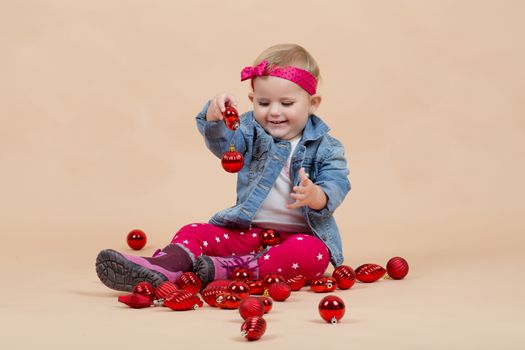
267	302
256	287
397	268
189	281
279	291
144	288
251	306
231	118
369	272
269	237
296	282
164	289
232	161
240	288
345	276
272	278
253	328
136	301
182	300
241	274
228	300
136	239
210	293
331	308
323	284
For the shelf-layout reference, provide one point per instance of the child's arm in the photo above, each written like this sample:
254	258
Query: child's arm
331	184
211	125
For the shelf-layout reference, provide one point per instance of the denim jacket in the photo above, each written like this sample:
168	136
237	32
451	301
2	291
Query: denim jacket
321	155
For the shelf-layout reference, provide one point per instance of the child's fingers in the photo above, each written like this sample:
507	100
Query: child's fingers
294	205
297	196
304	177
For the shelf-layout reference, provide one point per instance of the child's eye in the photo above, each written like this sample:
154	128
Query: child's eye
264	104
287	104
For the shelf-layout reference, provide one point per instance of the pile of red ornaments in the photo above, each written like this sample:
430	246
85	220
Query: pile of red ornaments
254	297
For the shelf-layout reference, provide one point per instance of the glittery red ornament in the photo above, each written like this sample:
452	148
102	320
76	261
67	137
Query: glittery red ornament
136	239
144	288
253	328
241	274
164	289
331	308
369	272
345	276
210	293
240	288
267	302
232	161
256	287
231	118
323	284
279	291
228	300
136	301
296	282
397	268
182	300
190	282
251	306
269	237
272	278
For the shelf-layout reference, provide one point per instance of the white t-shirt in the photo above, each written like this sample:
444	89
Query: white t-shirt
273	212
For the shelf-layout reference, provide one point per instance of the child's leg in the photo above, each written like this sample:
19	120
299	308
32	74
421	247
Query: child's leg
297	254
121	271
214	240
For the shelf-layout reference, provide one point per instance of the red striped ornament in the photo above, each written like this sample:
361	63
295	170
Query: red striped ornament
190	282
279	291
253	328
345	276
164	289
251	306
397	268
210	293
368	273
182	300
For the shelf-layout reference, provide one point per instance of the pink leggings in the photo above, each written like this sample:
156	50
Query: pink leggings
297	254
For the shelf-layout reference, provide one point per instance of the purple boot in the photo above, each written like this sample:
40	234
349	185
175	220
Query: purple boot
122	272
210	268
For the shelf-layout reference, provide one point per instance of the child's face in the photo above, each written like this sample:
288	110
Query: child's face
281	106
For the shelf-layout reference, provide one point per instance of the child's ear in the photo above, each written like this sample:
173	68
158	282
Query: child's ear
250	96
315	101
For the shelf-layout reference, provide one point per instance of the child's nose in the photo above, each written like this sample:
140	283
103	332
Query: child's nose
274	109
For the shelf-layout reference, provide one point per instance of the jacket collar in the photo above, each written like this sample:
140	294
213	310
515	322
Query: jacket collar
315	128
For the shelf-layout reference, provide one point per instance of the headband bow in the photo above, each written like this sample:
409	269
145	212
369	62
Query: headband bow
255	71
301	77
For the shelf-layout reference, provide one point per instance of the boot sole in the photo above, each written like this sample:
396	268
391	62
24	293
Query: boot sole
118	273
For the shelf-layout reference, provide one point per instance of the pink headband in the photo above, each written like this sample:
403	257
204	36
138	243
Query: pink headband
299	76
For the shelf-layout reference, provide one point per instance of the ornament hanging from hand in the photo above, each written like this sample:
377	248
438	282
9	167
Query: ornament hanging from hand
232	161
231	118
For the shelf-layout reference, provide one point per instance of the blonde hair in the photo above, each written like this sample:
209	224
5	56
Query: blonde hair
283	55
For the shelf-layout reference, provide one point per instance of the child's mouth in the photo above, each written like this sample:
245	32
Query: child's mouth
277	122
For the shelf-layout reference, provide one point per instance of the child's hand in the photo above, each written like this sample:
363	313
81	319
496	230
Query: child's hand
307	193
218	105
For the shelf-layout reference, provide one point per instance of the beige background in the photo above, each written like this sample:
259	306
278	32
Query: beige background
97	106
